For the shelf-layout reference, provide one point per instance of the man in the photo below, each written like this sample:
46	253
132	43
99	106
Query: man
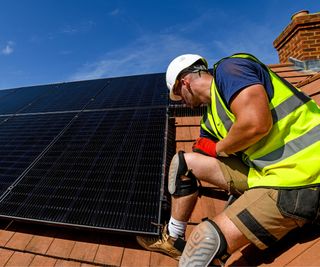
259	133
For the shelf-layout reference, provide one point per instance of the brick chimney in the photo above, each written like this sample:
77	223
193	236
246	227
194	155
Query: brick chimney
300	39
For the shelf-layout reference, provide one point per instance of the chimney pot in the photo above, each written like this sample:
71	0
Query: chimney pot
299	14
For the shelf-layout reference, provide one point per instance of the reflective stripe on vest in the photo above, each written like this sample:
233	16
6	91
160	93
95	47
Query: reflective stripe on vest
278	159
288	149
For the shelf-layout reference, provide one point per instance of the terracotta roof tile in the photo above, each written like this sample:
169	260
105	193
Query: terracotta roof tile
88	265
134	257
194	132
183	134
291	73
39	244
301	240
109	255
278	67
67	263
160	260
182	146
42	261
5	255
61	248
311	86
20	259
84	251
5	236
309	257
19	241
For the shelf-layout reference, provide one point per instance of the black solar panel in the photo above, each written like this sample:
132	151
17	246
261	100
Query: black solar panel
180	110
87	154
14	101
66	97
22	139
98	173
140	91
5	93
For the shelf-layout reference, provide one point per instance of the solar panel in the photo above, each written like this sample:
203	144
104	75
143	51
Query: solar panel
16	100
66	97
96	160
97	173
132	91
181	110
22	139
5	93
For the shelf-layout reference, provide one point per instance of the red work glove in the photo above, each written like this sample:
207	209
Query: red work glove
205	146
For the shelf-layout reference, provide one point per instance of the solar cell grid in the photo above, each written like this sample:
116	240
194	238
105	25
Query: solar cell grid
19	99
132	91
67	96
122	92
22	139
5	93
181	110
105	171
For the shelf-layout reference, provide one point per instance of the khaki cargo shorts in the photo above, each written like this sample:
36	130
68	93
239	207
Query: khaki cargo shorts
255	211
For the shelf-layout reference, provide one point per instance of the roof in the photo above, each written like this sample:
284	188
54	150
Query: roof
31	244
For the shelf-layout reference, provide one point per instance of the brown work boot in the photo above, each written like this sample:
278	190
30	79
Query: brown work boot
164	243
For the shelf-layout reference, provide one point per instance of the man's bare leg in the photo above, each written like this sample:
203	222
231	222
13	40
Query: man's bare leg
205	169
235	239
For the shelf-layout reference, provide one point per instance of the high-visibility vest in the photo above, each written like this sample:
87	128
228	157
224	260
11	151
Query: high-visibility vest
289	156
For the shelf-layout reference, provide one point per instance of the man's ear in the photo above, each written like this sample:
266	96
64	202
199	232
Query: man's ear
184	81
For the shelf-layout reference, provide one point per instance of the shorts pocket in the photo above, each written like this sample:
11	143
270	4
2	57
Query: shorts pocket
302	204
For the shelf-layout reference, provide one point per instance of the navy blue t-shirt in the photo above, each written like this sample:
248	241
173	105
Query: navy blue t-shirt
235	74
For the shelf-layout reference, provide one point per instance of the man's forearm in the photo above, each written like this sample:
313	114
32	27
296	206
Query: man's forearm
240	137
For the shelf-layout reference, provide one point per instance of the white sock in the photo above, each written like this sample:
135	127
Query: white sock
176	228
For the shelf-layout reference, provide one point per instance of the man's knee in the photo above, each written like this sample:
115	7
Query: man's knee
205	243
182	181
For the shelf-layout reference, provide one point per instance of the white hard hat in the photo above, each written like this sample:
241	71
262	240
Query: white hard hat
176	67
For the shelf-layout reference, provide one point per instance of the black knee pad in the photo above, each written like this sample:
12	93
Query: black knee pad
177	186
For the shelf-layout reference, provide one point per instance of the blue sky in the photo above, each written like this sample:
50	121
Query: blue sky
50	41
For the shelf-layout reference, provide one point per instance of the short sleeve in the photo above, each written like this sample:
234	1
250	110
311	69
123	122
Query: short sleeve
235	74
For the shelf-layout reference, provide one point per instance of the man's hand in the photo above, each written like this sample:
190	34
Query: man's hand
205	146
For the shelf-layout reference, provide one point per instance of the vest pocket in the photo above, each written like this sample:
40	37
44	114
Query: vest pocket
301	204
